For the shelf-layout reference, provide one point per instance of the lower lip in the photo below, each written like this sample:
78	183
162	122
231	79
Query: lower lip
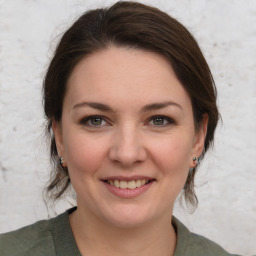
128	193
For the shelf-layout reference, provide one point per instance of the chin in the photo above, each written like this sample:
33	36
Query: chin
127	222
128	217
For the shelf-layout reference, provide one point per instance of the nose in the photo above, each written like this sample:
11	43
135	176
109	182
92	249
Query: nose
127	147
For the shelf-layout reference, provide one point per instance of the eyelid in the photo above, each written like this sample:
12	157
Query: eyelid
84	120
170	120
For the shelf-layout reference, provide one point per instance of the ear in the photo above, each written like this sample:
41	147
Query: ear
57	130
199	139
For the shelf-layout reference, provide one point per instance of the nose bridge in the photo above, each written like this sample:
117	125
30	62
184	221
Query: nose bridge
127	145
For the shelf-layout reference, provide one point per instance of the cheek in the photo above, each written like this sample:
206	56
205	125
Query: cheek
84	154
173	152
172	159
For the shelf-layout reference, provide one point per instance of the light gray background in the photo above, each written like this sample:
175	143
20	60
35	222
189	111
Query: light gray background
226	182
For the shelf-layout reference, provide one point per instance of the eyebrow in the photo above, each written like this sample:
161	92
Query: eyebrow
94	105
147	108
157	106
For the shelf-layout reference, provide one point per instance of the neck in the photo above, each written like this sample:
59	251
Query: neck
94	237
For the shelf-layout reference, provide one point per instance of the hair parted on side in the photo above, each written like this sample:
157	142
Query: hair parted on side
138	26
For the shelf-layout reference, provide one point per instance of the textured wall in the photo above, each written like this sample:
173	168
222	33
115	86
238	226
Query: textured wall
226	184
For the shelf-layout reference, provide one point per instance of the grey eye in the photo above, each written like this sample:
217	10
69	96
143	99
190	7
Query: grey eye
96	121
159	121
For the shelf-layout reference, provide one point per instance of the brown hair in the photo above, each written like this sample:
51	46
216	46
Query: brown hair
134	25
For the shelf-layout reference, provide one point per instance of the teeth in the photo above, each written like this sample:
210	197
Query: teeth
116	183
138	183
123	184
132	184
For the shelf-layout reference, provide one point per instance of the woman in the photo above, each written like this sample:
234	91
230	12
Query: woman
131	109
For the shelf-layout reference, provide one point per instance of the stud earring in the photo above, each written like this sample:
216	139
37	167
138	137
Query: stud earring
196	160
61	161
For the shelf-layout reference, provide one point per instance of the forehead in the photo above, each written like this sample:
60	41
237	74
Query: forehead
125	75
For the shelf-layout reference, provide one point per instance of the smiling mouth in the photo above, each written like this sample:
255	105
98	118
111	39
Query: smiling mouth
132	184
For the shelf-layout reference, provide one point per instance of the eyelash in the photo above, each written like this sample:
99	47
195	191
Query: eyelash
165	118
85	121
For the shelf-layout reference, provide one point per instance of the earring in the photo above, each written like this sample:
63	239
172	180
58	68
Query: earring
61	161
196	160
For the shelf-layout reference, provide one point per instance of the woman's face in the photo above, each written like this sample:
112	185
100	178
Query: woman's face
127	136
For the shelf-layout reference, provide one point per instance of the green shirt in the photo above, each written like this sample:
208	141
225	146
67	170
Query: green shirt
54	237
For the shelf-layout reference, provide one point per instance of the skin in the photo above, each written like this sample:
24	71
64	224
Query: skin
127	140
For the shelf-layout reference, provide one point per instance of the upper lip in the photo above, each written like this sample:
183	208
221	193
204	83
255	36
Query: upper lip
125	178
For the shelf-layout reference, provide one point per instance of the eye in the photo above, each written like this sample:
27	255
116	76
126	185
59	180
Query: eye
161	121
94	121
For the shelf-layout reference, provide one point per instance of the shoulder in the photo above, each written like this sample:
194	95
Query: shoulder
47	237
35	239
191	244
197	242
